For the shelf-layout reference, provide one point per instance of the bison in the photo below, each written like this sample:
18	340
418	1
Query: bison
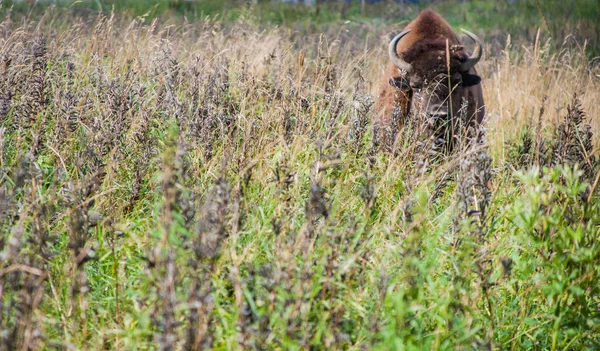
420	81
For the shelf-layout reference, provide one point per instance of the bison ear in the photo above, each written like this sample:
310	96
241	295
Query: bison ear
399	83
468	80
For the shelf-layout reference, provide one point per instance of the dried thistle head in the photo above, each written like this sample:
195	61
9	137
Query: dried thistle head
473	184
362	106
211	228
574	144
317	205
7	83
164	313
507	266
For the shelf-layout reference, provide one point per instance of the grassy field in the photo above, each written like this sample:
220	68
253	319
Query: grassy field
213	183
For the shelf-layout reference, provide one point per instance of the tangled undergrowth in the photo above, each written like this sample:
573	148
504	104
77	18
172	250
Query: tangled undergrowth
217	186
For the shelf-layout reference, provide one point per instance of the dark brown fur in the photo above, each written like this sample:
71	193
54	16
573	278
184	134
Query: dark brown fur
425	49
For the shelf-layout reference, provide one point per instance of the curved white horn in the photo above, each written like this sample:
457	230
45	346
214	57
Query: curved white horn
399	62
476	55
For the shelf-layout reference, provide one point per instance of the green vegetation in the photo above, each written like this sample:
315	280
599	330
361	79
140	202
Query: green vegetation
215	184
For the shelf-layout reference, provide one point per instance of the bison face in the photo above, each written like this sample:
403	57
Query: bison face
431	96
439	95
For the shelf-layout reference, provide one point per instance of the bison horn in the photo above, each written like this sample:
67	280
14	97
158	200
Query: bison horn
477	53
399	62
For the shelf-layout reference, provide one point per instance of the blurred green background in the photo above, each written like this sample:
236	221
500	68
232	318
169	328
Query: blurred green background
574	22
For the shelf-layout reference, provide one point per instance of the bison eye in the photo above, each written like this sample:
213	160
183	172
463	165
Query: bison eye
399	83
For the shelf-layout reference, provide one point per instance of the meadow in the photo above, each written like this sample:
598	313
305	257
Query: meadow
213	183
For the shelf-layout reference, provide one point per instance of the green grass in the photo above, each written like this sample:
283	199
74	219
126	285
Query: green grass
214	184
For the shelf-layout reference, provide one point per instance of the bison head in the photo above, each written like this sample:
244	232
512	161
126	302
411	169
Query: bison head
434	83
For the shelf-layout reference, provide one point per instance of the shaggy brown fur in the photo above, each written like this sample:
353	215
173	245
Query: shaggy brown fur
425	49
